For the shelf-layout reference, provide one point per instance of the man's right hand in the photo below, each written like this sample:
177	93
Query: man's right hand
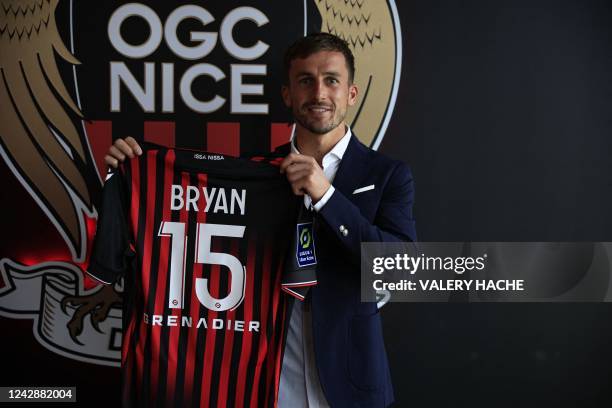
121	149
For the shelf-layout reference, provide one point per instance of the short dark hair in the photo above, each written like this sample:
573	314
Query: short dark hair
315	42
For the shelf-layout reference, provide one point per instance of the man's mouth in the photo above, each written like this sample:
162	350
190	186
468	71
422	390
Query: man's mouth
318	108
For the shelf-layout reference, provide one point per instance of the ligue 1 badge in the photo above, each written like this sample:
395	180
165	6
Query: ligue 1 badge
305	249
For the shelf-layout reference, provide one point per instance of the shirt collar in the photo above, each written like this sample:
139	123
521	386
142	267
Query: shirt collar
337	152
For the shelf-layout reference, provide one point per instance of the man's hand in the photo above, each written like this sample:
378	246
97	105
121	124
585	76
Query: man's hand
305	176
121	149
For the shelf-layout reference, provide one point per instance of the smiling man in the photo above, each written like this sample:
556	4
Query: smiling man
334	353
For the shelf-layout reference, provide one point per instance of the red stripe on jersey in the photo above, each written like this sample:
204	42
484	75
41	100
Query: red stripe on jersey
160	132
228	344
194	309
271	363
263	345
223	137
280	133
208	366
100	136
135	198
162	271
247	336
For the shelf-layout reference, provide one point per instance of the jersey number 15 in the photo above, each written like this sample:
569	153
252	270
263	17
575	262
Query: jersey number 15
203	255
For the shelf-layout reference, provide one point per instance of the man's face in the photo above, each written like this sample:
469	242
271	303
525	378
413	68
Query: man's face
319	91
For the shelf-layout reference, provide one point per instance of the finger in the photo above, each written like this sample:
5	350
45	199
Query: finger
297	190
291	159
134	145
298	167
298	187
116	153
298	175
111	161
124	148
286	162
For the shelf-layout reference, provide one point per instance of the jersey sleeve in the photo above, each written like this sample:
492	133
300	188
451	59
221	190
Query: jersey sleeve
111	246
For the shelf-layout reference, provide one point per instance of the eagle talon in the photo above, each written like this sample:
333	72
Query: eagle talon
97	305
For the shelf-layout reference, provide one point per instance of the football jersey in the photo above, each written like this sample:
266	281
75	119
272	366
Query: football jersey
200	241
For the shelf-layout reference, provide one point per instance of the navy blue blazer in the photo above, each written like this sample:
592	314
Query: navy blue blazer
348	340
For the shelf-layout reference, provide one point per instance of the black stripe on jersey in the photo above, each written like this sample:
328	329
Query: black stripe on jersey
263	395
220	334
256	306
275	332
181	400
166	311
200	343
243	251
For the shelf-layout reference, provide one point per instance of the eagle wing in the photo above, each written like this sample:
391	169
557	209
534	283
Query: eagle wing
39	139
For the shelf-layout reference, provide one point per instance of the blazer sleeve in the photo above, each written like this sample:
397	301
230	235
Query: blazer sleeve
394	220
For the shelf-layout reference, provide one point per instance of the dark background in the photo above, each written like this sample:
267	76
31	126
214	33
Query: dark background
504	116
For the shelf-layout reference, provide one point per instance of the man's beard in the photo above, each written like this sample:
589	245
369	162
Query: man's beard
314	126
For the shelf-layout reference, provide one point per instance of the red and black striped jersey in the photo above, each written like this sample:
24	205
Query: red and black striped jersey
200	240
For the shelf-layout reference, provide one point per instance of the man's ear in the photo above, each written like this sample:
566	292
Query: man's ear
352	94
286	95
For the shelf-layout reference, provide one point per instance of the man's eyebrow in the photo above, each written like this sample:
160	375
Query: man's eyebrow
332	73
326	73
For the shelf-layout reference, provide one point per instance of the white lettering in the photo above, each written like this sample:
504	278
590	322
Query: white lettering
227	37
209	198
119	73
254	326
221	203
192	196
177	194
136	10
207	40
185	87
167	87
239	88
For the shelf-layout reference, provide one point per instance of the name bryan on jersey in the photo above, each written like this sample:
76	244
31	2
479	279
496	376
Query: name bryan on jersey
211	197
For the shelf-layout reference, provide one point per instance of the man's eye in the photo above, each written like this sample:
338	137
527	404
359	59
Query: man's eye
333	80
305	81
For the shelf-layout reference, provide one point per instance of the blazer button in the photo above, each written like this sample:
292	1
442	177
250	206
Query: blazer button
343	230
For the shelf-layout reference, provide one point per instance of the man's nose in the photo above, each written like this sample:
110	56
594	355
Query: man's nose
320	90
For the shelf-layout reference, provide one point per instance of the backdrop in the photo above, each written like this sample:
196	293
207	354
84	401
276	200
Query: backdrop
500	108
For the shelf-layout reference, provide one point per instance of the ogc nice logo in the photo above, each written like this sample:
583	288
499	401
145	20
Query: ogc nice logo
202	75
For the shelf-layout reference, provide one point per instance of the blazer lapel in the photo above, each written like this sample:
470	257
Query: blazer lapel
353	167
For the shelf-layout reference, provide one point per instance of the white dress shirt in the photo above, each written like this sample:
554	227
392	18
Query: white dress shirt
299	382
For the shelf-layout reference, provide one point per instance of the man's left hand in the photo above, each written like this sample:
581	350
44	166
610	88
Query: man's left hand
305	176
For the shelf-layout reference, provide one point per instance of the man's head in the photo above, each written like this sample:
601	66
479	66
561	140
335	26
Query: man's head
316	42
319	72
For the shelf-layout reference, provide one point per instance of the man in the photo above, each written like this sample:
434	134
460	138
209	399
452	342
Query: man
335	353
